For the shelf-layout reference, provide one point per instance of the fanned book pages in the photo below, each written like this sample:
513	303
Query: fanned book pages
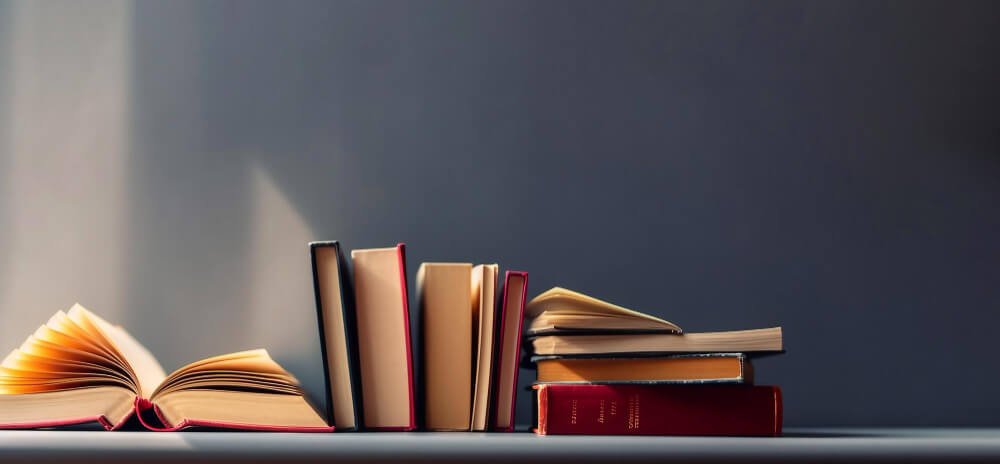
78	369
559	310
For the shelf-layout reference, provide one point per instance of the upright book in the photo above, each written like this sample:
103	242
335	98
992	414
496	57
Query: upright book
336	327
515	290
383	335
78	368
658	410
457	311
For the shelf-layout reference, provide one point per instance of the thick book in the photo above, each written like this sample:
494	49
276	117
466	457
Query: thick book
515	290
382	316
671	369
717	410
79	368
332	286
457	311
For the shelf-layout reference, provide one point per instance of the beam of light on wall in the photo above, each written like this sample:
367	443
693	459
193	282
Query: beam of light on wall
281	305
67	102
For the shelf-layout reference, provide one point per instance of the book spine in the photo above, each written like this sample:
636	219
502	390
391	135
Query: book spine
719	410
401	250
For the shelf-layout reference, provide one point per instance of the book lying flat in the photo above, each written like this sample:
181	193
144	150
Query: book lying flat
336	327
565	322
515	289
736	341
658	410
383	334
673	369
457	312
78	368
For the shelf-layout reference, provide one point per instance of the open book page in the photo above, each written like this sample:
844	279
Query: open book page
561	306
63	355
247	388
147	369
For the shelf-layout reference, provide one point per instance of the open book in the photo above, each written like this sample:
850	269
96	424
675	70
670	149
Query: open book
559	310
568	323
78	368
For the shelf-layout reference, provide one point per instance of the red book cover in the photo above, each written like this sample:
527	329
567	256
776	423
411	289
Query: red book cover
659	410
511	322
401	248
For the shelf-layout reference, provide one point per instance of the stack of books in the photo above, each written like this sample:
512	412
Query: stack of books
604	369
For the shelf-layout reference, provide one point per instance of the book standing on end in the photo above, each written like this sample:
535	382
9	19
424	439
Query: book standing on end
383	336
336	327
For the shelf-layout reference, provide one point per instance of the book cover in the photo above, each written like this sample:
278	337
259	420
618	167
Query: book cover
515	290
385	356
78	369
335	315
717	410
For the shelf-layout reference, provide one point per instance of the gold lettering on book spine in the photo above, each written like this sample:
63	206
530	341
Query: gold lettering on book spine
600	412
633	413
572	412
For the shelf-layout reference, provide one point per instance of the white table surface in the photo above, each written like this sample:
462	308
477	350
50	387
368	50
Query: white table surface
799	445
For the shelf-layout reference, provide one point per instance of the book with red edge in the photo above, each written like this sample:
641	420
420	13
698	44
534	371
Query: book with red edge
508	350
710	410
80	369
382	320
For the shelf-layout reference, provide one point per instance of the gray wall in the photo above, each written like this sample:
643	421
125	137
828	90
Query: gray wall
830	167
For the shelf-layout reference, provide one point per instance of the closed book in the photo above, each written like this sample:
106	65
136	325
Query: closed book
444	292
669	369
383	335
720	410
457	306
515	289
334	310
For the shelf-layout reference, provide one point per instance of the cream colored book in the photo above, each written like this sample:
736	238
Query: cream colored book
562	310
382	316
735	341
457	311
79	368
564	322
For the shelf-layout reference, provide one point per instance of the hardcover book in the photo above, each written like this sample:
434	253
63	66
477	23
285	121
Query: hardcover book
515	290
671	369
78	368
457	311
565	322
383	336
658	410
335	313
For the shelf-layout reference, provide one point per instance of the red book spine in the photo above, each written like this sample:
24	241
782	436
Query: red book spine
659	410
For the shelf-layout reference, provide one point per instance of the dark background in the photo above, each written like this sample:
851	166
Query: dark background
829	167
